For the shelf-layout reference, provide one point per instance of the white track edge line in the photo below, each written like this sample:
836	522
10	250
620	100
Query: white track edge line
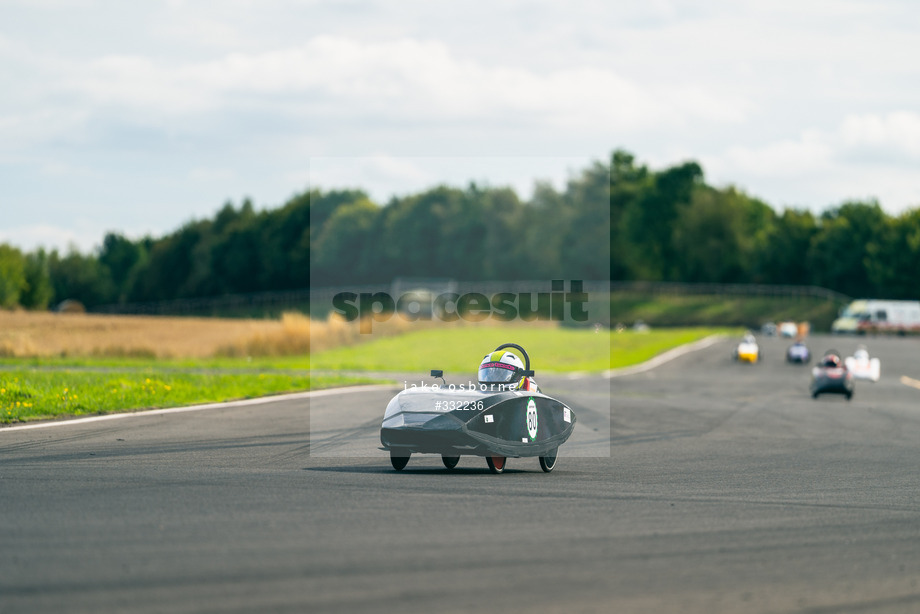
191	408
668	356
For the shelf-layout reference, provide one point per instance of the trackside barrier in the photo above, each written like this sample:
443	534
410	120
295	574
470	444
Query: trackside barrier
300	299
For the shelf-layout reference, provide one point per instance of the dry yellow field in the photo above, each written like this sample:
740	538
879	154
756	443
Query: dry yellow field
28	334
25	334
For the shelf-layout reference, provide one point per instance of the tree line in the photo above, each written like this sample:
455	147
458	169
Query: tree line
656	225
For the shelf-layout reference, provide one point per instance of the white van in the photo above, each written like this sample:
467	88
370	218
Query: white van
869	315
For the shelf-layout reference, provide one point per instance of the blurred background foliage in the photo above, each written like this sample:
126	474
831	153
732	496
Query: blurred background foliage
664	225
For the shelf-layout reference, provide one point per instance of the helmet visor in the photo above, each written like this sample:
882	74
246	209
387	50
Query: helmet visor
496	373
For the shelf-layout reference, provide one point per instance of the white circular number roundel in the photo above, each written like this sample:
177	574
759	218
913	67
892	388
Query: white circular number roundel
532	419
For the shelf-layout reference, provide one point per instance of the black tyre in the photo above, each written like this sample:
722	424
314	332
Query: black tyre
814	395
496	463
849	396
450	461
399	459
548	462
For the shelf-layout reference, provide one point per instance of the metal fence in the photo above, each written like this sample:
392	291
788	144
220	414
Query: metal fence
680	288
265	304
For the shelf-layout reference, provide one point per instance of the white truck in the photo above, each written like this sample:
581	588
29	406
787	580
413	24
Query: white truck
877	316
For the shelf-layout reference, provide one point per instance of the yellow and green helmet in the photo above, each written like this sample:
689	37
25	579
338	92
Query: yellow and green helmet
501	367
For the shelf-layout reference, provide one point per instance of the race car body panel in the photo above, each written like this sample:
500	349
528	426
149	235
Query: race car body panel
836	380
453	422
747	352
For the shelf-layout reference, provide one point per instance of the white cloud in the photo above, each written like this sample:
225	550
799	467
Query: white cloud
858	137
206	174
864	156
408	78
897	133
174	107
200	31
809	153
383	176
49	236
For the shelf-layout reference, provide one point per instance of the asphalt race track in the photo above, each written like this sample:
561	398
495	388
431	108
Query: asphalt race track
722	487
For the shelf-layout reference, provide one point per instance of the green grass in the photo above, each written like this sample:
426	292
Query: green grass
31	394
32	389
630	348
456	350
720	310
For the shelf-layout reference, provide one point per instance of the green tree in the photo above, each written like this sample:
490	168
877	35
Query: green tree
542	241
121	257
81	278
341	250
286	233
893	263
649	221
38	292
410	234
236	259
12	276
586	228
177	266
711	238
628	183
841	252
784	257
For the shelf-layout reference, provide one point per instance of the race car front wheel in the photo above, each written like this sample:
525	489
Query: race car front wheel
496	463
450	461
548	463
399	459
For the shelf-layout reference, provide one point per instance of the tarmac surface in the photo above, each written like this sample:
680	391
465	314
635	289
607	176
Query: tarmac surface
700	485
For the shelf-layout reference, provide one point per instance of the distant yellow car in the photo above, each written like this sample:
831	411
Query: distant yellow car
747	350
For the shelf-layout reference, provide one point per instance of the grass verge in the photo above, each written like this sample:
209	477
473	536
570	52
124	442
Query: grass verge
31	394
555	350
720	310
42	388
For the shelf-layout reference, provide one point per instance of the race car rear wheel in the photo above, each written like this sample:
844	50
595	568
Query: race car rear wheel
450	461
496	463
548	463
399	459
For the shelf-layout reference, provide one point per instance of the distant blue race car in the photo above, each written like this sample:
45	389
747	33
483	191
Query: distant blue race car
798	353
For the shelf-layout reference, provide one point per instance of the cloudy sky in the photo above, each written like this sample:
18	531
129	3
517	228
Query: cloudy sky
139	116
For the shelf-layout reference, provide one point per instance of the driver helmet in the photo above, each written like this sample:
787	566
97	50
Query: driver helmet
831	360
501	368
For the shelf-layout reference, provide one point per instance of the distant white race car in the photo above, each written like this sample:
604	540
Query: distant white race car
863	367
788	329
